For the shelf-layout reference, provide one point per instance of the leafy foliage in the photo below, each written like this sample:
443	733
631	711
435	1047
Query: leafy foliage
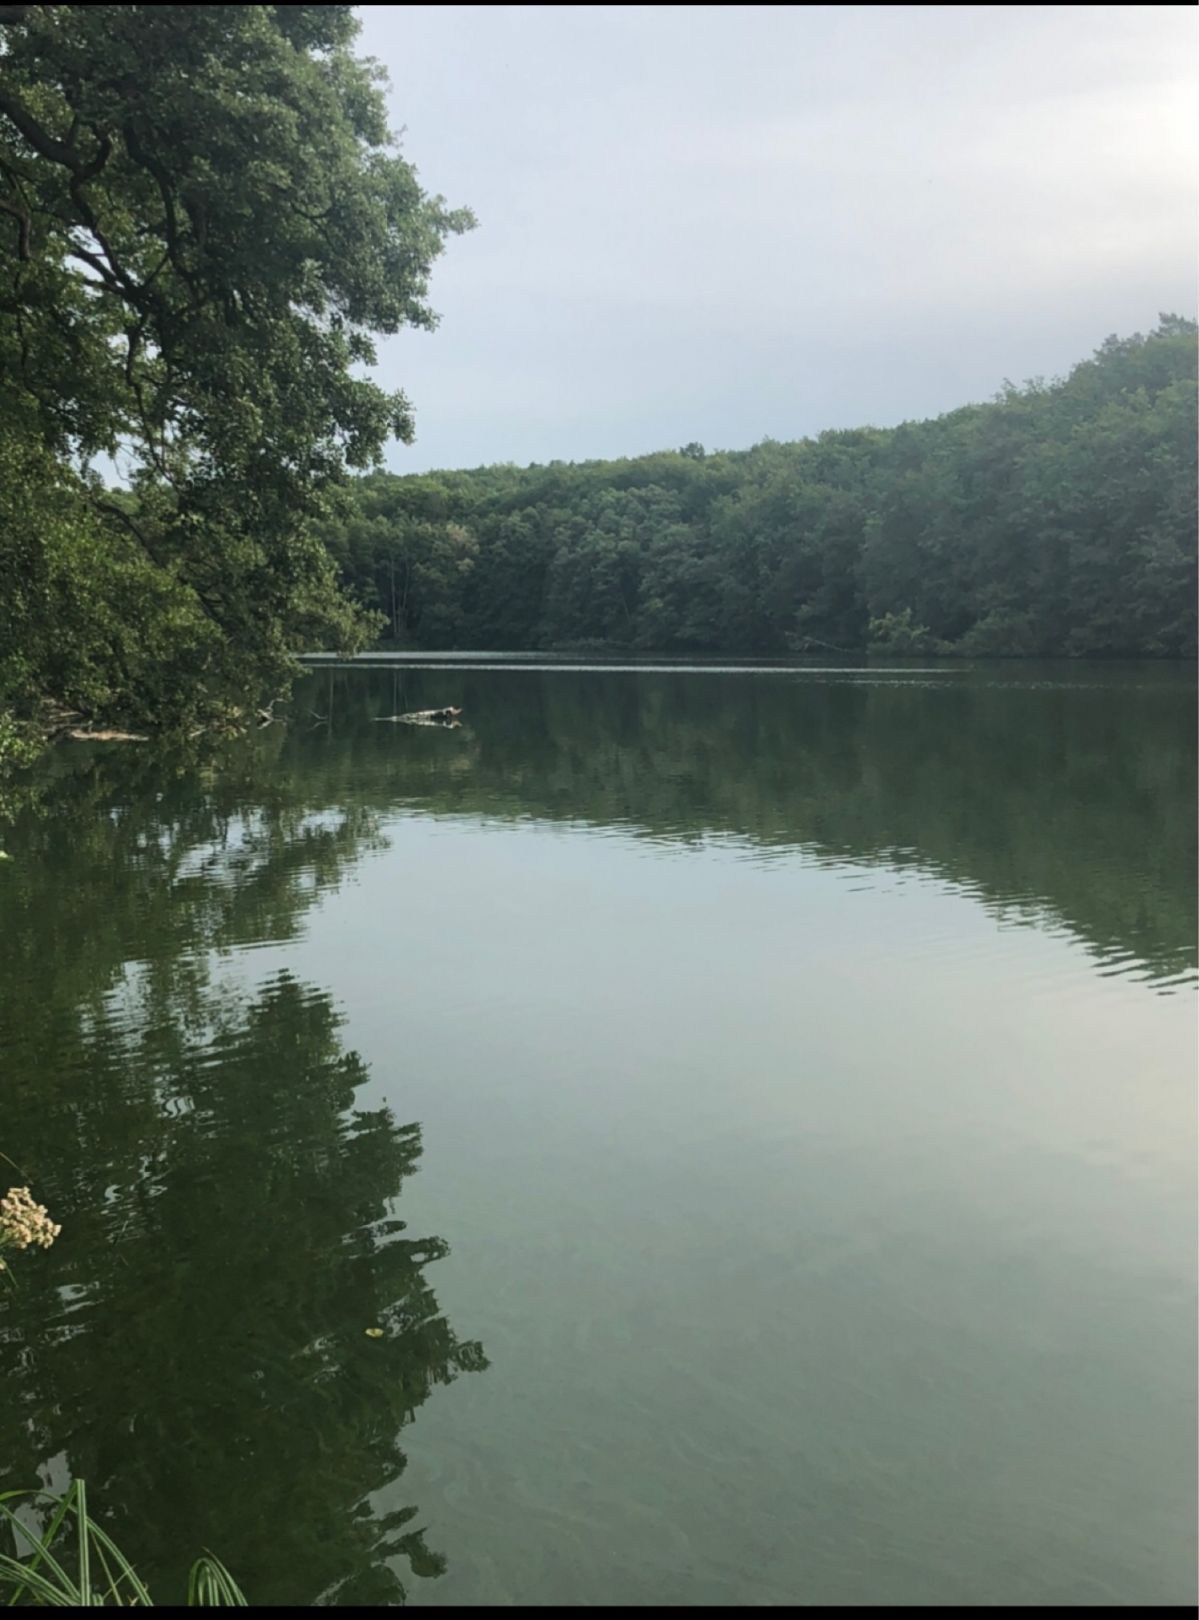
899	635
202	223
1055	520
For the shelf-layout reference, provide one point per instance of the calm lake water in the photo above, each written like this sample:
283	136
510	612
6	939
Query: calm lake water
758	1108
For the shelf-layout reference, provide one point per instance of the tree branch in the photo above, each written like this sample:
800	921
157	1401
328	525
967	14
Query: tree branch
170	220
112	510
45	144
107	281
22	219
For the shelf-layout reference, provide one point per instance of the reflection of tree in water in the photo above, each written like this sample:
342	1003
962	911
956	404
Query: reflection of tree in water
208	1370
160	857
1060	794
227	1241
197	1352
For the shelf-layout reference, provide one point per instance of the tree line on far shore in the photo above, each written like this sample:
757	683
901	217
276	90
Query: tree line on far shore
1057	520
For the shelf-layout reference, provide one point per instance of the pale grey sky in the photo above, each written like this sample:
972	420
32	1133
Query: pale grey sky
730	223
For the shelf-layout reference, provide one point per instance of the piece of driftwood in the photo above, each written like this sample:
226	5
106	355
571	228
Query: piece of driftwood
425	717
79	735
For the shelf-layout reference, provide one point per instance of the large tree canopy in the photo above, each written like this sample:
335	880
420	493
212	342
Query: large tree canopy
203	220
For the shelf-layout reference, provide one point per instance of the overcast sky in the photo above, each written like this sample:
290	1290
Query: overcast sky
731	223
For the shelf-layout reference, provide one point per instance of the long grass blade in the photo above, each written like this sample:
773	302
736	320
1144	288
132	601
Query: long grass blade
14	1573
210	1585
112	1591
41	1547
85	1561
127	1571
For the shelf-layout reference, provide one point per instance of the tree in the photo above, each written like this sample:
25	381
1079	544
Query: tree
203	221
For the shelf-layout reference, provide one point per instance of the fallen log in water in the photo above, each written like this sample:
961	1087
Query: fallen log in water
80	734
424	717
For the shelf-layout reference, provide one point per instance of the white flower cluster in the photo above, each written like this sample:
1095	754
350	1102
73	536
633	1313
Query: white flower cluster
23	1223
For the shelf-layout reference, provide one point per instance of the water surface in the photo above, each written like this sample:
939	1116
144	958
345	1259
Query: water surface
757	1106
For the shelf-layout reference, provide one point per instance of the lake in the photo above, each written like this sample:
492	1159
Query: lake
756	1106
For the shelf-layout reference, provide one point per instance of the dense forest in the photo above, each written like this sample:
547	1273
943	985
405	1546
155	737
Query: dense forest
1059	519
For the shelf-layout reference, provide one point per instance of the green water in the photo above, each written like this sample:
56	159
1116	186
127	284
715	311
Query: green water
758	1107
